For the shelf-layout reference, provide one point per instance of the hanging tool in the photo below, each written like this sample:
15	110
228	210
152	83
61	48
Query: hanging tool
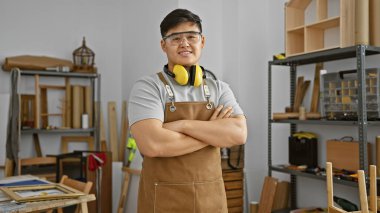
132	147
96	161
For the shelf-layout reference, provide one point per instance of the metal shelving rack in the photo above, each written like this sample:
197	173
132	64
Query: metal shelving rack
359	52
95	80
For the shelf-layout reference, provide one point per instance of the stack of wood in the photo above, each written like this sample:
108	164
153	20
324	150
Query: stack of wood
297	111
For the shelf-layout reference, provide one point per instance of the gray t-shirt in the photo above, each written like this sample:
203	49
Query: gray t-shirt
148	97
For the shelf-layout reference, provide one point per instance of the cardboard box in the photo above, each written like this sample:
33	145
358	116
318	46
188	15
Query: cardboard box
345	154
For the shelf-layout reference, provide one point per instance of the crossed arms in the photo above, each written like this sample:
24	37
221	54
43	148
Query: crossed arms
185	136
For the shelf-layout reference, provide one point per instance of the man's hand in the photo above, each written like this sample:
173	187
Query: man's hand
220	114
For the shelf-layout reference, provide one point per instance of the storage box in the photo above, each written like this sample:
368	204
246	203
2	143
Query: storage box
345	154
303	151
340	95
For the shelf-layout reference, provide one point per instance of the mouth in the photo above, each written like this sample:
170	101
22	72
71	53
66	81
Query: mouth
185	53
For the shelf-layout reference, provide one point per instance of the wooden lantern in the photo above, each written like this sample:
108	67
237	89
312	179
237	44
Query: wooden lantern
83	58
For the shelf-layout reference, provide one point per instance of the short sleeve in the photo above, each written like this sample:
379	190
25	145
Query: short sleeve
227	99
145	101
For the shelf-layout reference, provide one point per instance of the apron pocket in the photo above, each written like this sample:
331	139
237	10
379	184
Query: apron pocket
210	197
174	197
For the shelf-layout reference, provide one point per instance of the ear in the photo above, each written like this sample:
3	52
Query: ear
163	46
203	41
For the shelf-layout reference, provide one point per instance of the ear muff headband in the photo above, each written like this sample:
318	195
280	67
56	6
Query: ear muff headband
193	77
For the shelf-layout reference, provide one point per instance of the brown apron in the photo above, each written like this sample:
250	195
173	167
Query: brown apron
190	183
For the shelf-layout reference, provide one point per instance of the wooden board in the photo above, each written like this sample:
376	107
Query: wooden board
267	195
281	197
362	22
76	106
315	93
374	22
44	108
124	132
88	107
65	140
68	107
124	193
297	102
37	102
347	23
112	123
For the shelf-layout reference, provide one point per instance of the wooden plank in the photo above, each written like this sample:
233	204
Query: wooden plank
374	22
373	189
315	93
9	168
44	108
234	175
347	23
234	193
103	142
131	171
330	190
304	88
57	87
37	102
321	10
232	185
297	103
37	145
234	202
88	107
238	209
68	107
76	106
362	22
124	132
281	197
378	155
267	195
124	193
362	192
112	123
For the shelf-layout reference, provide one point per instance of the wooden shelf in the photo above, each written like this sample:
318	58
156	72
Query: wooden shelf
325	24
316	36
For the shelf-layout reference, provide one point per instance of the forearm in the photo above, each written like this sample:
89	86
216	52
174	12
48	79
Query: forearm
161	142
220	133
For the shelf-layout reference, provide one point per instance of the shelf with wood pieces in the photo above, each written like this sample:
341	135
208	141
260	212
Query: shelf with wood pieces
361	122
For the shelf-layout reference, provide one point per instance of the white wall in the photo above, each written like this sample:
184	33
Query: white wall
241	36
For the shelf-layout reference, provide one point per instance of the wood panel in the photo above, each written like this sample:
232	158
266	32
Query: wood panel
112	123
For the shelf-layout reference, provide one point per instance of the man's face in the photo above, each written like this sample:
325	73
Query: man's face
183	48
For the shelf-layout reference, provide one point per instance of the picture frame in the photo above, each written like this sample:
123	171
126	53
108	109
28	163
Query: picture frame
40	192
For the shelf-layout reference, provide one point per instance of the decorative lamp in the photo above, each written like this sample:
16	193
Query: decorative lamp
83	58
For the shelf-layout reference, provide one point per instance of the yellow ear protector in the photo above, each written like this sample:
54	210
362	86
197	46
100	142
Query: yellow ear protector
192	77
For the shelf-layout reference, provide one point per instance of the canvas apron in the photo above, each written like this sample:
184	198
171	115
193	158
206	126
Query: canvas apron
190	183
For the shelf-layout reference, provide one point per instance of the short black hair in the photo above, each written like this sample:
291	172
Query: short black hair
178	16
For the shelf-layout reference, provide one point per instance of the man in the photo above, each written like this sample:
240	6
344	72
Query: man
180	118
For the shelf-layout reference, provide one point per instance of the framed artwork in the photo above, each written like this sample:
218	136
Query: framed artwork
40	192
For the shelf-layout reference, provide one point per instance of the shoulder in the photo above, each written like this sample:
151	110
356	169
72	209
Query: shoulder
149	81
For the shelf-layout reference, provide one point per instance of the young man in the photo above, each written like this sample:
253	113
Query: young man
180	118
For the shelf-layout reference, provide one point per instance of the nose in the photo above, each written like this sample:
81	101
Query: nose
184	43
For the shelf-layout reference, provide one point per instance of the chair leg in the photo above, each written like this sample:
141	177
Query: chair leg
83	207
